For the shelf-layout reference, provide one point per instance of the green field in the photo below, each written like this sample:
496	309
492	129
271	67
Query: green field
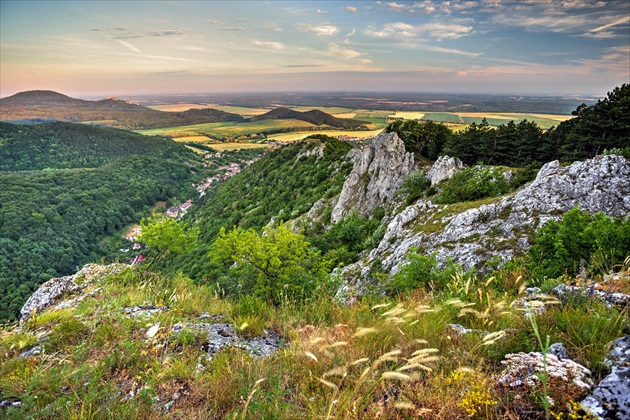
222	147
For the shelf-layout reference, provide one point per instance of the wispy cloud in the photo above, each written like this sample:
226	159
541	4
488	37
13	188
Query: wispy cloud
213	21
321	30
272	45
233	28
322	12
128	45
350	9
302	65
347	53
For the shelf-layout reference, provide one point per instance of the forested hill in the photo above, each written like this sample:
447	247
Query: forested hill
314	116
44	105
53	220
62	145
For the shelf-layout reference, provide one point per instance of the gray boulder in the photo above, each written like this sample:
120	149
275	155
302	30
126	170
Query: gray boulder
611	398
444	168
46	295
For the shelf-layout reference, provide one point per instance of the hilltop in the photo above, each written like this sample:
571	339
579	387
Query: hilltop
43	105
314	116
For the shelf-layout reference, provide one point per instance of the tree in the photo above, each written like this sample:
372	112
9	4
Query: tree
281	261
165	237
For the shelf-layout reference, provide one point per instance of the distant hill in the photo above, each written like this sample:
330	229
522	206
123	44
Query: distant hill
46	105
314	116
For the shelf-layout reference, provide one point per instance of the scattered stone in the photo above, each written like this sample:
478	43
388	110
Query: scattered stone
444	168
144	311
565	291
221	336
46	295
619	354
34	351
558	350
153	330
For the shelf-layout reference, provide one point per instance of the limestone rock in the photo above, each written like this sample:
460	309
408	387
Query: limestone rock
378	171
220	336
498	231
46	295
444	168
611	398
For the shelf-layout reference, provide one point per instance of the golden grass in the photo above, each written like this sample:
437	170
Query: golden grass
409	115
221	147
299	135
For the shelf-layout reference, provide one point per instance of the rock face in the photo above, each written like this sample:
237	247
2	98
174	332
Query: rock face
378	171
611	397
50	292
46	295
444	168
499	230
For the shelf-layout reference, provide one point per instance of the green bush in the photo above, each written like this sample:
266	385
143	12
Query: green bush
474	183
414	185
600	241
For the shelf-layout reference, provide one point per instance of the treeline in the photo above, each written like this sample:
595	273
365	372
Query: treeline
62	145
604	126
52	222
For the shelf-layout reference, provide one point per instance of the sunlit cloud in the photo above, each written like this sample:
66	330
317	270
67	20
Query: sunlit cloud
350	9
409	34
233	28
321	30
322	12
272	45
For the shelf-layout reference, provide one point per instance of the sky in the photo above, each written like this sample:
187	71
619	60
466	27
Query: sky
123	48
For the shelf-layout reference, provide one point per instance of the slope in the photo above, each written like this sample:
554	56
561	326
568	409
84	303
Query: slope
314	116
44	105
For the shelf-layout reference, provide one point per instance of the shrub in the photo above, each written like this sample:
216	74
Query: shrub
414	185
559	247
474	183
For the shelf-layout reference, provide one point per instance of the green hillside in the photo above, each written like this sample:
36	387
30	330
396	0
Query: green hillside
66	187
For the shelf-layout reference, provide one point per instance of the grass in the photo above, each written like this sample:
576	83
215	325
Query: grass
228	129
222	147
393	358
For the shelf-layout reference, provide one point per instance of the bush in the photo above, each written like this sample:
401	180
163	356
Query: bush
414	185
474	183
559	247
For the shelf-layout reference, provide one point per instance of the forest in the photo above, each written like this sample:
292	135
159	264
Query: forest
66	187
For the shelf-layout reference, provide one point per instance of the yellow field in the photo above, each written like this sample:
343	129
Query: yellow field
409	115
554	116
181	107
196	139
346	115
333	133
506	117
243	111
221	147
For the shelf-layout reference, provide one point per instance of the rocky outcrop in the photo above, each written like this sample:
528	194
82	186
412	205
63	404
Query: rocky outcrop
378	171
46	295
444	168
49	293
498	231
611	397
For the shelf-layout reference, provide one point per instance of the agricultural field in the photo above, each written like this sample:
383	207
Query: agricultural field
408	115
298	135
243	111
332	110
182	107
228	129
222	147
494	119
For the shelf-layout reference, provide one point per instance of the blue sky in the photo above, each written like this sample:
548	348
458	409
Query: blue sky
85	48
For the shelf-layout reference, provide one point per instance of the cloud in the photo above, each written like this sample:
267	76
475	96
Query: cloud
233	28
270	45
350	9
128	45
619	21
321	30
347	53
213	21
241	20
409	34
322	12
166	32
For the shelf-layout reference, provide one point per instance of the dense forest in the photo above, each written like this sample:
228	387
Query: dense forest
595	129
66	187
